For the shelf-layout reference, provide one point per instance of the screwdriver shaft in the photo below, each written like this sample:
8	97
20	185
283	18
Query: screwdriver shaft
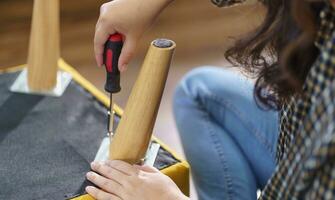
111	116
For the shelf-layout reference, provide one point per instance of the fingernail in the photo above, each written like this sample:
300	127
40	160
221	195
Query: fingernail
89	175
94	165
89	189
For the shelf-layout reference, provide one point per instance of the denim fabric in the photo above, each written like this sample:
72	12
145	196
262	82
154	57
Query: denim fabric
228	140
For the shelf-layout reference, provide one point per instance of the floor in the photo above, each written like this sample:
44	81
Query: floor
202	33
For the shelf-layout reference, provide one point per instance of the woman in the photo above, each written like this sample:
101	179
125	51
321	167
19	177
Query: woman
277	135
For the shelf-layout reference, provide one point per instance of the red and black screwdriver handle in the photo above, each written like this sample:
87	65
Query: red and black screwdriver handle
111	56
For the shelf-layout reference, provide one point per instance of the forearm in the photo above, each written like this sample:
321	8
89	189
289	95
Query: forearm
151	8
161	4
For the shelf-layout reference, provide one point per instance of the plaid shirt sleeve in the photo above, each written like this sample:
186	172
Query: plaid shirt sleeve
306	169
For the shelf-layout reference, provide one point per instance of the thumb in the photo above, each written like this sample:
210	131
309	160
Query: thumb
127	52
146	168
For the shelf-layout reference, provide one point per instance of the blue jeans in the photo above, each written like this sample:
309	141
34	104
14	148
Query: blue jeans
228	140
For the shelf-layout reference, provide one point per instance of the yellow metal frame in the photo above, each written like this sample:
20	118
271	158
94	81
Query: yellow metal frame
178	172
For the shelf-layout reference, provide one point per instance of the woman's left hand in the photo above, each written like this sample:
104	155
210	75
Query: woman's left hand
119	180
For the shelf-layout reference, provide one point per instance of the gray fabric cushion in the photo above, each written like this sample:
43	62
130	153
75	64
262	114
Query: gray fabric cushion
47	143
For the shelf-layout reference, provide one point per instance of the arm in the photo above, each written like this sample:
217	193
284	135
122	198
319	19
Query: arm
130	18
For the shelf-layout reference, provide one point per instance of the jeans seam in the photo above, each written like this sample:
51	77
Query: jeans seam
255	132
218	148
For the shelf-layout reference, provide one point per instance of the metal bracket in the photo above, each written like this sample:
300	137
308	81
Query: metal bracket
21	84
149	159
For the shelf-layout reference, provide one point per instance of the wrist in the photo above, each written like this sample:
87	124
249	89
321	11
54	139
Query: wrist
148	11
159	5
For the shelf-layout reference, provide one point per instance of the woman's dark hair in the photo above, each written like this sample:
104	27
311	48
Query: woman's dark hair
281	51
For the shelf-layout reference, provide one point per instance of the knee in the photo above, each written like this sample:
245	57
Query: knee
190	87
206	81
194	82
193	90
202	85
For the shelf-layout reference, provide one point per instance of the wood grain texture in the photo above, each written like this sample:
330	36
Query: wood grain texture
133	134
44	45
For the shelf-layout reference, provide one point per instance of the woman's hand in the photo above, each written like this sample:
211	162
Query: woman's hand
129	18
121	181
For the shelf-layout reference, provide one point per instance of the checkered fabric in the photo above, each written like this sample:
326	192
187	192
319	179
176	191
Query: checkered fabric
306	145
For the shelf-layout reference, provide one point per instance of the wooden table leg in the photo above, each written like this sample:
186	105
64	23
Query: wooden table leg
44	45
133	134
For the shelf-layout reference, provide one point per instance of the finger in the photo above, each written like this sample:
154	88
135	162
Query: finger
122	166
146	168
107	185
127	52
100	38
108	171
100	195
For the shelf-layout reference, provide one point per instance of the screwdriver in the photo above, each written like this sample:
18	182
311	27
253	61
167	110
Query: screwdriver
111	56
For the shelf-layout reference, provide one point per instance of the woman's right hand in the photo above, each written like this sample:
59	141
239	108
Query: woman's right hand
130	18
